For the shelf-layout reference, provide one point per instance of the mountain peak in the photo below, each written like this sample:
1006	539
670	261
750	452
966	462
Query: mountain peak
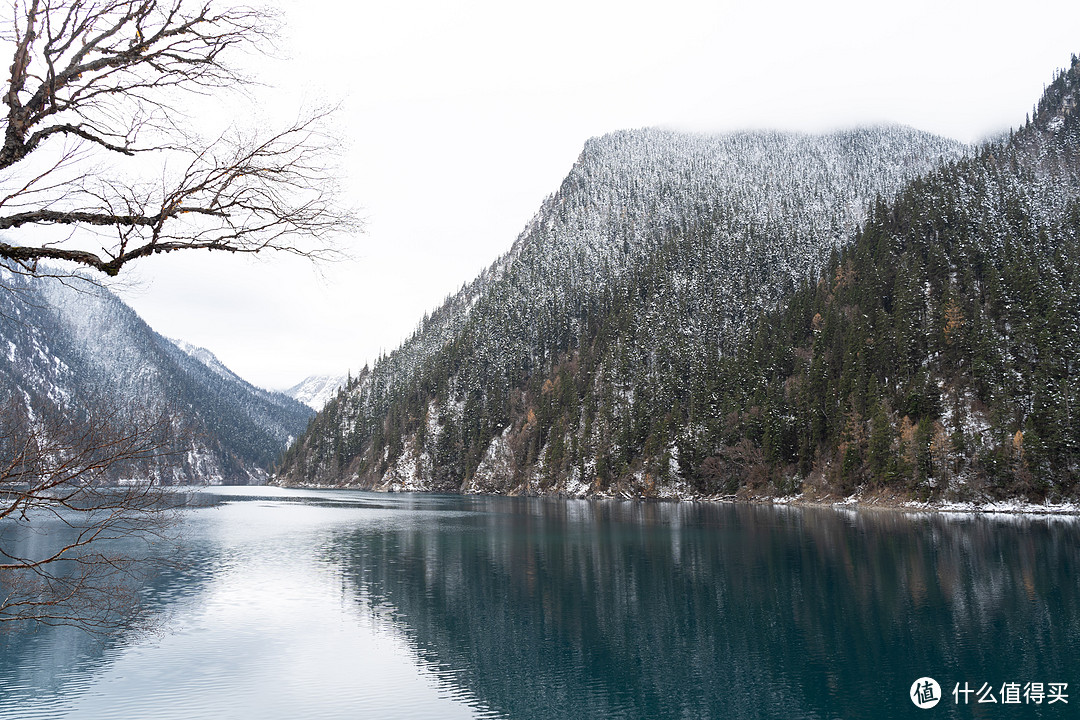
655	239
317	390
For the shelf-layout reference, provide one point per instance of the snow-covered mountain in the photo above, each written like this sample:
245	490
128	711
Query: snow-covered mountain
75	347
937	356
633	282
316	391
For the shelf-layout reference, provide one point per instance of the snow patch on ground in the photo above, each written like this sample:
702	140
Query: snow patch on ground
1014	506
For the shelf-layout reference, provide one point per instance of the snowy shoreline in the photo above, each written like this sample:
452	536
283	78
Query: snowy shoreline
1014	506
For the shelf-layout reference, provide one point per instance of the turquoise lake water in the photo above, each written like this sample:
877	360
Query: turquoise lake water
320	604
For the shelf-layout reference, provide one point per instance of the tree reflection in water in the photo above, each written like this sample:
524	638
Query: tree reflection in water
547	608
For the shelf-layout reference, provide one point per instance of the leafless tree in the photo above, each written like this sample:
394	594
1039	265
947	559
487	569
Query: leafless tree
78	514
94	142
100	166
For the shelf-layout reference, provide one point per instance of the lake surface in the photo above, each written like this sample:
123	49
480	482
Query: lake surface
310	604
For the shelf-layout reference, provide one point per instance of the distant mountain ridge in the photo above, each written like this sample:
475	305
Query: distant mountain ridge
550	371
73	344
208	359
316	391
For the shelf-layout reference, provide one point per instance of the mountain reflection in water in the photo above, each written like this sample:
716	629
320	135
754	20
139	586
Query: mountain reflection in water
608	609
343	604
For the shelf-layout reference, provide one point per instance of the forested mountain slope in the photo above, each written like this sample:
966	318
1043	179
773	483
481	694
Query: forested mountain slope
584	357
73	348
939	353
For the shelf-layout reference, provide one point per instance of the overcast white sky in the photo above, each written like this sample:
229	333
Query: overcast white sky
460	117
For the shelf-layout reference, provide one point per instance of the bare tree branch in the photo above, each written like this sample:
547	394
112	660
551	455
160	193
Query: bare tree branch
76	473
100	80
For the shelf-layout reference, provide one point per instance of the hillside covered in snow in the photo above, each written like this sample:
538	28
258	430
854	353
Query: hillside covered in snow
584	357
937	356
72	348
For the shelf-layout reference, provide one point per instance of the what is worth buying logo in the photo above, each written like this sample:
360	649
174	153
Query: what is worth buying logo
925	692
